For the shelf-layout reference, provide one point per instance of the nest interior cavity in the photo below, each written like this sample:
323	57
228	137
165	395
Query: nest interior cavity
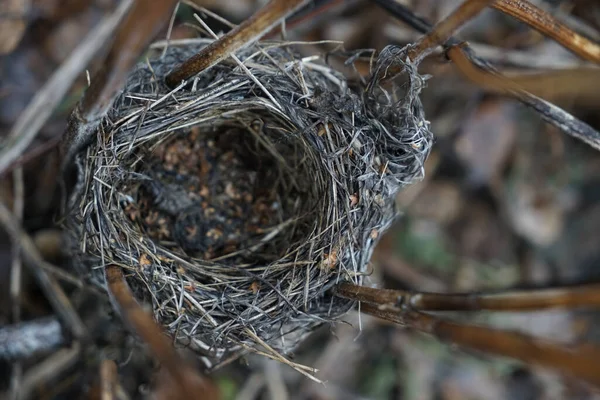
237	200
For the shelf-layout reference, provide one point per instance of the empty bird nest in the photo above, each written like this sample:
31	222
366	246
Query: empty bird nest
237	200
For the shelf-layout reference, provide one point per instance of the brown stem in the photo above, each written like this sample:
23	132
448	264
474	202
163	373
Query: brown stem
188	382
488	78
139	27
577	361
444	29
572	84
546	24
549	112
518	300
244	34
143	22
108	380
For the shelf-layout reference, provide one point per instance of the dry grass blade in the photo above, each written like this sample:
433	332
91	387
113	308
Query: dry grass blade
189	385
245	34
48	370
543	22
145	19
445	28
518	300
33	118
578	361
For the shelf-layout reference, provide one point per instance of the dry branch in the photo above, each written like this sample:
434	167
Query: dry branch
487	77
244	35
445	28
517	300
189	383
402	308
143	22
578	361
33	118
39	269
471	65
546	24
109	380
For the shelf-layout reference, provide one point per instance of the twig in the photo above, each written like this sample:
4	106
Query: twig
549	112
486	76
518	300
245	34
546	24
49	369
136	31
33	153
445	28
38	267
577	361
108	380
33	118
16	274
27	339
189	383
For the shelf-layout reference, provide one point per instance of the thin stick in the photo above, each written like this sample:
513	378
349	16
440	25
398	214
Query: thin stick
549	112
445	28
576	361
489	78
49	369
108	380
33	118
245	34
137	30
16	274
517	300
546	24
189	383
53	291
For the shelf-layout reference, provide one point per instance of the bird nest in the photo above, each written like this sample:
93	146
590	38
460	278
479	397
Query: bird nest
236	201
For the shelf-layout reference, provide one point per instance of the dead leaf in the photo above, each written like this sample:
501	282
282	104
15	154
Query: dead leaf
145	261
329	260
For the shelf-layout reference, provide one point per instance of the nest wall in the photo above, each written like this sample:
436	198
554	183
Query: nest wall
237	200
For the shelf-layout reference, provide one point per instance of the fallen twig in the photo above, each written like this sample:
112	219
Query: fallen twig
33	118
486	76
108	380
39	269
445	28
578	361
16	274
545	23
516	300
48	370
189	383
243	35
136	31
549	112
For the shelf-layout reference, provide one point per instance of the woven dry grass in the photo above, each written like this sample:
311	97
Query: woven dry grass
237	200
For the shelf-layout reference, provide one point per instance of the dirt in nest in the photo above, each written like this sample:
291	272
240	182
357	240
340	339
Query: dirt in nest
208	195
